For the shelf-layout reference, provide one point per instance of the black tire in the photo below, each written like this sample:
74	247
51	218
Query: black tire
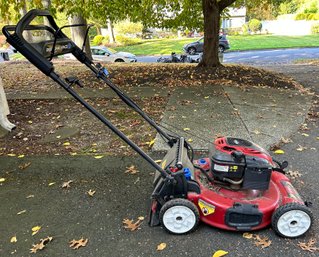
293	222
119	60
191	50
175	205
221	49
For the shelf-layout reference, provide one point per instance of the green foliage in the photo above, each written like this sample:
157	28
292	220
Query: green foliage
106	40
124	40
300	16
315	29
97	40
254	25
307	16
245	29
128	27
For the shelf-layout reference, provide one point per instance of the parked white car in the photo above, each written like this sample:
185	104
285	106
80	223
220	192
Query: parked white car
102	53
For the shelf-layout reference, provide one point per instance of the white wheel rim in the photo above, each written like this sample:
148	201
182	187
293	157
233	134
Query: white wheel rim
294	223
179	219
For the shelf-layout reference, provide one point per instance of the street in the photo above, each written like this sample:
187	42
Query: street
259	57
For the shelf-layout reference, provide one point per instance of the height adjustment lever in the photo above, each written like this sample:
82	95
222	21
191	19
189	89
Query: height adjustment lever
73	80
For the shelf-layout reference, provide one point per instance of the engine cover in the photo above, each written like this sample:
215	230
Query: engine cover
253	169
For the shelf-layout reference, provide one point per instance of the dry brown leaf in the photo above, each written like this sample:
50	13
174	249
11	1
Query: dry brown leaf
309	246
131	225
24	165
161	247
294	173
248	235
264	242
301	148
67	184
131	170
286	140
76	244
91	192
41	245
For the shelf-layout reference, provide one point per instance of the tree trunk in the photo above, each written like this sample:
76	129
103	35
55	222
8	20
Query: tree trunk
78	33
23	11
111	31
98	30
211	33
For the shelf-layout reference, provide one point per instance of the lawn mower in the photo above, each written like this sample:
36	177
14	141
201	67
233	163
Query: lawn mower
237	187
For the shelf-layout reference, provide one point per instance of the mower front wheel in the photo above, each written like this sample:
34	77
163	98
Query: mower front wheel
292	220
179	216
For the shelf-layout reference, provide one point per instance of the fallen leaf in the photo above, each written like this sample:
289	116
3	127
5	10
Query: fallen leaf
131	170
186	129
190	140
161	247
305	134
13	239
30	196
76	244
309	246
67	184
66	144
21	156
131	225
257	132
2	180
248	235
73	154
24	165
219	253
286	140
35	230
293	173
301	148
21	212
264	242
279	151
98	156
51	184
158	161
11	154
91	192
41	245
151	143
140	218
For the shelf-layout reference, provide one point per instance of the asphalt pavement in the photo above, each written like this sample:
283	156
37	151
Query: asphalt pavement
32	195
258	57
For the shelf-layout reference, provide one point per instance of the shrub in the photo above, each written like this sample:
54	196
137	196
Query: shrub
106	40
245	29
315	29
300	16
97	40
255	25
123	40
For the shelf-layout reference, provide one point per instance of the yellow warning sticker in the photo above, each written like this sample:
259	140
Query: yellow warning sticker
206	208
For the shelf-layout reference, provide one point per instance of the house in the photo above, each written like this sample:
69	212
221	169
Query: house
236	18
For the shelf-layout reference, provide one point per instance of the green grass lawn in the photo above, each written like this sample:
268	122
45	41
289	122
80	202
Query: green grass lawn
237	43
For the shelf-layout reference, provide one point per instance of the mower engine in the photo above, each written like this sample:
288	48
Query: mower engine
240	164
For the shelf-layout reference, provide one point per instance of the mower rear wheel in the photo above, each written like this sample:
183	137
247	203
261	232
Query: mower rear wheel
179	216
292	220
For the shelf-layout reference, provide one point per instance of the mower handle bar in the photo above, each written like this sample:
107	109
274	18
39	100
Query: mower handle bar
17	40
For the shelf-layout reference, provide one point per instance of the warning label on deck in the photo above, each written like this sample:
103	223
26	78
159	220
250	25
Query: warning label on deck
206	208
